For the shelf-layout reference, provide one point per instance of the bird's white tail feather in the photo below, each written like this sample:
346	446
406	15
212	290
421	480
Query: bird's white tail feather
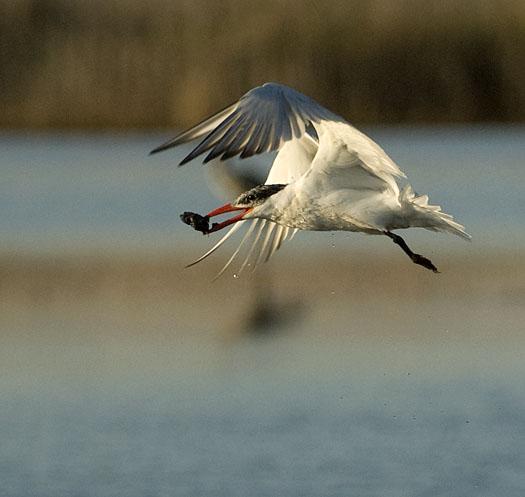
430	217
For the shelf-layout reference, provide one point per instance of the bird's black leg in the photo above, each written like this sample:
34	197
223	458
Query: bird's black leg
416	258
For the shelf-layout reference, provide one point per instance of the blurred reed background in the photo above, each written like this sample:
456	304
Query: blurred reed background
129	64
122	373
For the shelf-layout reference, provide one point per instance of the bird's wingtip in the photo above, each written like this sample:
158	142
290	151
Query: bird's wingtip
185	160
158	149
165	146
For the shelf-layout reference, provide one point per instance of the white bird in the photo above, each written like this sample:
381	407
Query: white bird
326	176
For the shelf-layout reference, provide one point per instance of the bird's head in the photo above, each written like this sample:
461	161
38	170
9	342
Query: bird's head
256	196
246	202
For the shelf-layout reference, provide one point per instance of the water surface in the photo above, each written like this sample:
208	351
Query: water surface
122	374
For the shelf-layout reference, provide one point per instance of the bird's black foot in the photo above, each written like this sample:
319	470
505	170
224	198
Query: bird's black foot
423	261
196	221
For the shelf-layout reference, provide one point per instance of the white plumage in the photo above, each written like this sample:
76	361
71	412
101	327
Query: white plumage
336	177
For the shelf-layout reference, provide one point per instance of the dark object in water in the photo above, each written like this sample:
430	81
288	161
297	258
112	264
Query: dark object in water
196	221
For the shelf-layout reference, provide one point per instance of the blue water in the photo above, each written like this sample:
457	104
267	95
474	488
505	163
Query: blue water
418	396
103	191
389	434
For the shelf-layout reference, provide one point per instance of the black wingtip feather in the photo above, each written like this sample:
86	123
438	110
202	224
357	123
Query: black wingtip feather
213	154
164	146
156	151
186	159
229	154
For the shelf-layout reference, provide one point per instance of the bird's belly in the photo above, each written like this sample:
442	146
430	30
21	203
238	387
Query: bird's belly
314	217
346	210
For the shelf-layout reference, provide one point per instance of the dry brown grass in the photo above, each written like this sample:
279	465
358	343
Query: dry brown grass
116	63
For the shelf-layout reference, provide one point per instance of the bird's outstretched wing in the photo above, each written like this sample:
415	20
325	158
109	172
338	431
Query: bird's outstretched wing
268	118
347	158
275	117
260	121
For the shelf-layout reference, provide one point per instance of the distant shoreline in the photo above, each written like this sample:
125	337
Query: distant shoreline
135	275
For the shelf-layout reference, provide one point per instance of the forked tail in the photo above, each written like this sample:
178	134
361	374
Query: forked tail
430	217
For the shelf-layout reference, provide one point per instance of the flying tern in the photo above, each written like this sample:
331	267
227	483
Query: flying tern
326	176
